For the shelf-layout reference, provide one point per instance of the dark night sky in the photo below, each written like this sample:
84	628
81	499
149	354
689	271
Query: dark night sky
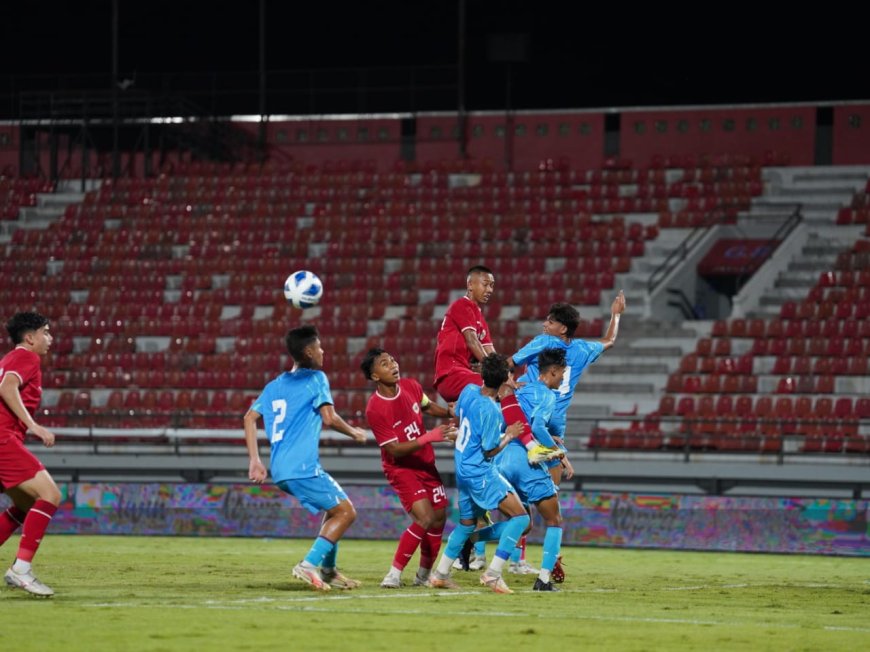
577	56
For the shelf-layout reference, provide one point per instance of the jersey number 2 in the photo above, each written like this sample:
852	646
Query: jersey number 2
279	407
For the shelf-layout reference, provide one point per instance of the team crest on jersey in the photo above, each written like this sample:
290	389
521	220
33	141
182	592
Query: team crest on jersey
416	408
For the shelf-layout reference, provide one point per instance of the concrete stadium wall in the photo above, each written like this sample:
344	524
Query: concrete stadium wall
626	520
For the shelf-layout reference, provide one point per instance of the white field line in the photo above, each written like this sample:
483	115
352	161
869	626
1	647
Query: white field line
309	604
519	615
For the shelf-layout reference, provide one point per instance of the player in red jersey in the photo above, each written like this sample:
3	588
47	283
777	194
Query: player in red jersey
394	413
464	337
34	494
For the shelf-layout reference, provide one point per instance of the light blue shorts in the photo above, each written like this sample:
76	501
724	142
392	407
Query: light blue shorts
532	482
481	493
317	494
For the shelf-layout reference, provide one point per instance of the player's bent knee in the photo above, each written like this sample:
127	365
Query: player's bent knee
52	496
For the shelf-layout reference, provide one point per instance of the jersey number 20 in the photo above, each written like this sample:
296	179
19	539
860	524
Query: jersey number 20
464	435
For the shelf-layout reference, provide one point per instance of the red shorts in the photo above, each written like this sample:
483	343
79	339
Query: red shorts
17	464
412	485
451	385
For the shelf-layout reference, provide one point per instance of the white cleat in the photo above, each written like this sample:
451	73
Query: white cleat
477	563
28	582
522	567
310	576
496	584
392	582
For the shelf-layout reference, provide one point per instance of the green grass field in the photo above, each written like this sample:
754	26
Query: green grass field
133	593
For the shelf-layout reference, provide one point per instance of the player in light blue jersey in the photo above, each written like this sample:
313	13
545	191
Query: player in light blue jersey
559	327
533	482
558	331
294	407
481	487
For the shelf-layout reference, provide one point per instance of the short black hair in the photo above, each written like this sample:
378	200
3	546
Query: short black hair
479	269
23	323
495	370
554	357
298	338
369	361
567	315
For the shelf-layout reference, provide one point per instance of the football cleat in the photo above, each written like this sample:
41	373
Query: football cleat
310	576
391	582
557	575
422	577
540	454
478	563
28	582
544	586
522	567
441	582
497	584
338	580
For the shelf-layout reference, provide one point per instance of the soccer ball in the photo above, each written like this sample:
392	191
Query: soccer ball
303	289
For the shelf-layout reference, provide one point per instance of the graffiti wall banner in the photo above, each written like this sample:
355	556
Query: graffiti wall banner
783	525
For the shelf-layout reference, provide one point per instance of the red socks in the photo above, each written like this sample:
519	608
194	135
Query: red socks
10	520
408	544
430	547
35	524
512	412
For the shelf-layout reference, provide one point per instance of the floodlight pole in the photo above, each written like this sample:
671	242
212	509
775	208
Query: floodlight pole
460	83
116	155
261	139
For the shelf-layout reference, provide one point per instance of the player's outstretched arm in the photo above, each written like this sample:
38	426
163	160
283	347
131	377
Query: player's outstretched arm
444	432
616	310
12	397
433	409
256	468
332	419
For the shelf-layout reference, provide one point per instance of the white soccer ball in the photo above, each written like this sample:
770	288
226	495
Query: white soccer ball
303	289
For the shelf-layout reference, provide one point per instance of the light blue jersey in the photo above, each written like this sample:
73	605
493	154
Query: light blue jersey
290	406
480	429
538	403
531	481
579	354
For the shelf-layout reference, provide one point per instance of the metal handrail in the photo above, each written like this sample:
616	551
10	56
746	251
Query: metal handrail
676	256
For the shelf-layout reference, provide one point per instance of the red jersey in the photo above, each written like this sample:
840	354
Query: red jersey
24	364
452	351
400	419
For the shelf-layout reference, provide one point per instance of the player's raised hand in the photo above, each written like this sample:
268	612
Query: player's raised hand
618	305
256	471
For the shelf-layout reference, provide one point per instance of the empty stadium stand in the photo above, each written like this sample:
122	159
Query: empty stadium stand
165	297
